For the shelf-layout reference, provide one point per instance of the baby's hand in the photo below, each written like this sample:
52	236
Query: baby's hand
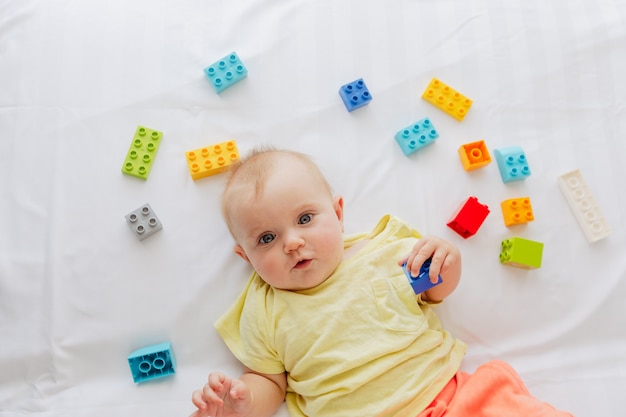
444	256
222	396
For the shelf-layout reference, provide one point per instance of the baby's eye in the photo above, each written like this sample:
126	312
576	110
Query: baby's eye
305	218
266	238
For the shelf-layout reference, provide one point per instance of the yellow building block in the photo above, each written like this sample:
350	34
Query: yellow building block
474	155
212	159
517	211
447	99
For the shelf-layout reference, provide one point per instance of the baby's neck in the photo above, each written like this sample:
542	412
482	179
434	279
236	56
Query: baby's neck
354	249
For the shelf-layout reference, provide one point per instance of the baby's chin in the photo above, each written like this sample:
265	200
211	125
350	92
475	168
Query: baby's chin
298	286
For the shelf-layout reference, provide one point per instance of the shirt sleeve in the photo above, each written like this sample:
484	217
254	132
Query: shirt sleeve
423	302
247	330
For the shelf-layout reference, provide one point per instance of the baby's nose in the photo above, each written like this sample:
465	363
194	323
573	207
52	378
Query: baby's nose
293	242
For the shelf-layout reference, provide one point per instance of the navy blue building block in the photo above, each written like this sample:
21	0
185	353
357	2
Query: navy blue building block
512	163
355	94
226	72
152	362
422	282
415	137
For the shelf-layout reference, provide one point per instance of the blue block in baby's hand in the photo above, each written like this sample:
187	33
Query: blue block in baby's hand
422	282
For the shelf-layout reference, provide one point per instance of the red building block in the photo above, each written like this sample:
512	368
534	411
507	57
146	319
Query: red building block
468	218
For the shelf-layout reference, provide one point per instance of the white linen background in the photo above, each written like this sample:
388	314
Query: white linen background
78	292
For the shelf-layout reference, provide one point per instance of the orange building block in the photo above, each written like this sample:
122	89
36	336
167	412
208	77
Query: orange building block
474	155
447	99
517	211
212	159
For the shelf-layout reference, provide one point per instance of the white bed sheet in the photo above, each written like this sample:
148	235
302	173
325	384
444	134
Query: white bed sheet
78	292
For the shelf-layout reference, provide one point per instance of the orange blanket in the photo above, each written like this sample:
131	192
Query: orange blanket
494	390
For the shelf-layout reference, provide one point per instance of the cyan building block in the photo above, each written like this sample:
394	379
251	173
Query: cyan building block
355	94
415	137
226	72
512	163
422	282
152	362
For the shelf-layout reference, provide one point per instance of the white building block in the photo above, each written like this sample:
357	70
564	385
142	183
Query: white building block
584	206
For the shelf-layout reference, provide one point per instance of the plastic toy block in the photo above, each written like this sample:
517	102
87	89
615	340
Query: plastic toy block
415	137
226	72
143	221
474	155
517	211
422	282
355	94
141	153
521	253
447	99
212	159
152	362
512	164
584	206
469	217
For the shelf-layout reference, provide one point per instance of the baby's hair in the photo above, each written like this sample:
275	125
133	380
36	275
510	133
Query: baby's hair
253	170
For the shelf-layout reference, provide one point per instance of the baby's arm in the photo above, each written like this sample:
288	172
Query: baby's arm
253	394
446	261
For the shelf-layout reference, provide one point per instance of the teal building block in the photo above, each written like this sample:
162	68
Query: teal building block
142	152
415	137
226	72
512	163
152	362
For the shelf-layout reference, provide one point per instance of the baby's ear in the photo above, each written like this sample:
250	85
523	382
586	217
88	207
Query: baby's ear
338	207
241	253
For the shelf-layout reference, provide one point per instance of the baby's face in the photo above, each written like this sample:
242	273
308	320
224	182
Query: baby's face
293	233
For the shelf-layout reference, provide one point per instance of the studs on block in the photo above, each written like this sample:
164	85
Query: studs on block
521	253
226	72
212	160
415	137
142	152
447	99
584	206
474	155
355	94
143	222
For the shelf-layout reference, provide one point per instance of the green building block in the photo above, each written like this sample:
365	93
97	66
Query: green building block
521	253
141	153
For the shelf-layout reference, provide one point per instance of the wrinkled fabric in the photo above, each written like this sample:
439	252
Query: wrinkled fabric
494	390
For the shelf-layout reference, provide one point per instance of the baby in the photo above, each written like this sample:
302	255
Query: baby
330	323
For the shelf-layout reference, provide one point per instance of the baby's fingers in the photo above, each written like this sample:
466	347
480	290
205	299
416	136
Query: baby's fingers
198	400
238	391
434	269
207	404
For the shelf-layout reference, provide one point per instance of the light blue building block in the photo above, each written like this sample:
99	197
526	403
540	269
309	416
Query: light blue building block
512	163
152	362
355	94
226	72
422	282
414	137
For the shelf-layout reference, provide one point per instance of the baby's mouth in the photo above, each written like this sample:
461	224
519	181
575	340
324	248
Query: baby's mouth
302	264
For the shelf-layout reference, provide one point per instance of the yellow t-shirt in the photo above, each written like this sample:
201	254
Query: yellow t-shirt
356	345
